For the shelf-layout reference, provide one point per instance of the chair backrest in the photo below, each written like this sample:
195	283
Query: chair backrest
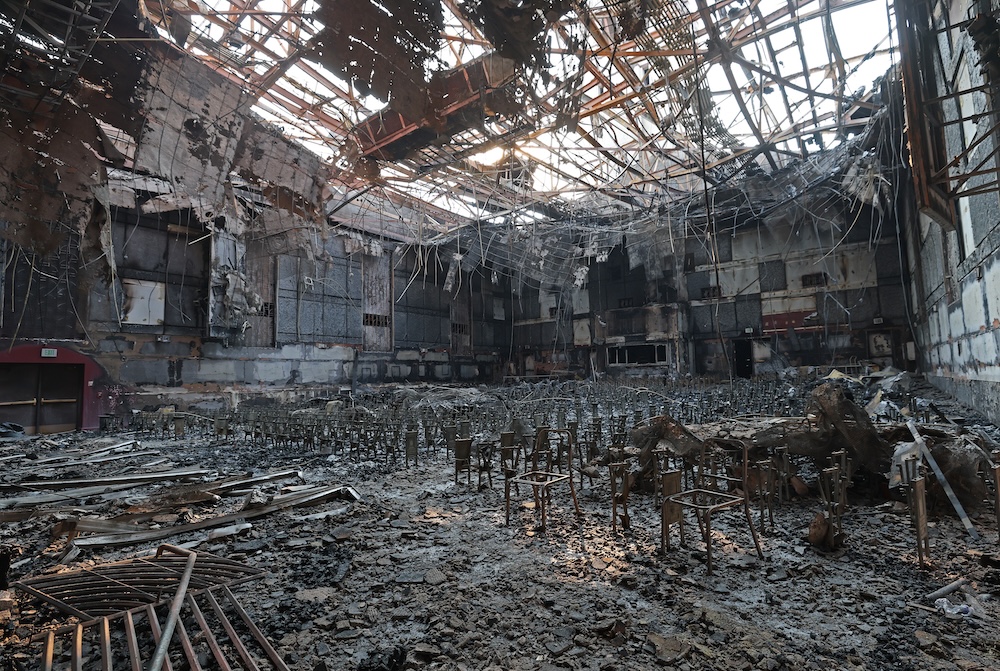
555	446
463	449
485	451
722	465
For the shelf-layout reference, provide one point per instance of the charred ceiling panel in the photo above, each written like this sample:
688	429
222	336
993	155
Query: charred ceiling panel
517	29
114	72
193	121
383	48
281	232
292	177
45	47
463	98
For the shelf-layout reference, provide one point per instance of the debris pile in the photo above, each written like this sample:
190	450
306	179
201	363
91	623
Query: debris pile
339	552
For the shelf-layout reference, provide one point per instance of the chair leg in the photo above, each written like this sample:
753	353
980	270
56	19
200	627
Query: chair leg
753	529
707	532
680	528
506	498
542	499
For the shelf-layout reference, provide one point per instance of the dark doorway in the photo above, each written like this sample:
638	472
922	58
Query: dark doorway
43	398
743	355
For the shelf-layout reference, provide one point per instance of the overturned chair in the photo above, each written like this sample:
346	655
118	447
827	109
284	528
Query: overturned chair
718	481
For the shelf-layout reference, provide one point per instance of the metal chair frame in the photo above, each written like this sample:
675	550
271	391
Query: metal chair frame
708	497
542	481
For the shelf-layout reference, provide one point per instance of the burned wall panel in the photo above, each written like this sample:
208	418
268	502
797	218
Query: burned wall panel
39	290
702	319
185	308
748	314
526	304
234	303
422	316
161	274
697	252
726	316
292	177
192	122
892	303
483	332
862	305
887	258
261	268
461	322
772	276
614	284
377	302
318	301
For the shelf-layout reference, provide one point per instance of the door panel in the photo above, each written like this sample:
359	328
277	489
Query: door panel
18	386
59	399
43	398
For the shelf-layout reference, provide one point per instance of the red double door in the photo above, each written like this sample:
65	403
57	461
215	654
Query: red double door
43	398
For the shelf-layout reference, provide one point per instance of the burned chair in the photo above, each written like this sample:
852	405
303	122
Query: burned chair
485	455
555	446
510	461
719	481
463	459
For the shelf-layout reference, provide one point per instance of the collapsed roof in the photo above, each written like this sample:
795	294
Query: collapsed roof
490	110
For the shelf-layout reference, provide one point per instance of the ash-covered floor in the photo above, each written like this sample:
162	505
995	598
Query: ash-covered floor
422	572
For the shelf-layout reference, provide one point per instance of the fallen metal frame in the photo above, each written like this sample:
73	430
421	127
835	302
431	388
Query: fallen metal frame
135	588
310	496
105	590
193	630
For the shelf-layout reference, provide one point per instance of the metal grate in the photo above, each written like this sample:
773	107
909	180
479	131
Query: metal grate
113	588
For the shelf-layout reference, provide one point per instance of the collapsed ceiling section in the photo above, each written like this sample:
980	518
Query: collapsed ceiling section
490	111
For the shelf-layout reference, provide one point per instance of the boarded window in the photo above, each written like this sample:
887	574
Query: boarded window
144	302
711	292
381	321
814	280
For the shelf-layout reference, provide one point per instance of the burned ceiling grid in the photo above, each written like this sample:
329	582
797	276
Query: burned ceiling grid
605	117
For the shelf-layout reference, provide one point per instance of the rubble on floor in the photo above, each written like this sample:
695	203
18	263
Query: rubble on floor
362	558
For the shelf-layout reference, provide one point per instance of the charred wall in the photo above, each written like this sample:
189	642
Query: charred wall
823	287
820	284
152	222
956	287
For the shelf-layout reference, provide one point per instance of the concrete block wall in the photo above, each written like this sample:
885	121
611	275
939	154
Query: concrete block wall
958	332
178	370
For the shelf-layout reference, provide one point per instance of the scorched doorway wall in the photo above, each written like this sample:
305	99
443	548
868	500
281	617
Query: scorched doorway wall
151	221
